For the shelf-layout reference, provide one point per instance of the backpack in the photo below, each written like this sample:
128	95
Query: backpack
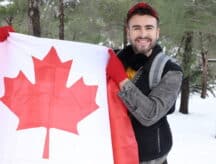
157	68
156	72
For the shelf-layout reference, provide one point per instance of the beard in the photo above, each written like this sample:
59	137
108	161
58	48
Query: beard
143	49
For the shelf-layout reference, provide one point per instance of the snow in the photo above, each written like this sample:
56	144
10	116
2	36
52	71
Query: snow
194	135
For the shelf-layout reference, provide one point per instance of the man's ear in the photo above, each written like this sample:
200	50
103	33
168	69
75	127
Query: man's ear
158	33
127	32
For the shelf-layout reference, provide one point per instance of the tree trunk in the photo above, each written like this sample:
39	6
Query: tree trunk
204	68
34	16
186	64
61	20
9	20
125	34
204	74
185	92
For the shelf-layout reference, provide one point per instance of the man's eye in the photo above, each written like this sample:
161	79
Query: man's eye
149	28
136	28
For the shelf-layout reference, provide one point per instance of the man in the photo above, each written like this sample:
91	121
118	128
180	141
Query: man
148	106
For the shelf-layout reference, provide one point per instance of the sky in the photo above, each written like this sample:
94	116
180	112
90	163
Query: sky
4	3
194	135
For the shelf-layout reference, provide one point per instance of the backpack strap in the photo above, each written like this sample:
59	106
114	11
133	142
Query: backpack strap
156	69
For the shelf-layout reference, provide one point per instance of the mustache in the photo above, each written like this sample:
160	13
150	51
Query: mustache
146	38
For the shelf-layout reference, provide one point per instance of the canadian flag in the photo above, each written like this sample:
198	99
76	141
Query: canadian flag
56	105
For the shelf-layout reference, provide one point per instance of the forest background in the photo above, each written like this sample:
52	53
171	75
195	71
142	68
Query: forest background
188	31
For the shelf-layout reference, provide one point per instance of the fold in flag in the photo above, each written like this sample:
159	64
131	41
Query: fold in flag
57	107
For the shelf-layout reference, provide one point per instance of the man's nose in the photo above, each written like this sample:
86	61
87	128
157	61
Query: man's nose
143	32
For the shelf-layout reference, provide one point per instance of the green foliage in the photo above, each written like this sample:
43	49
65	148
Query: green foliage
105	19
6	11
102	21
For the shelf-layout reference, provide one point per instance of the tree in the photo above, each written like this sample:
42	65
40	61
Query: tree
34	16
61	19
103	22
204	55
186	65
7	13
113	15
186	19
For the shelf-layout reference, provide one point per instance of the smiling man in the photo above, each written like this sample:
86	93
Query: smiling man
149	84
143	33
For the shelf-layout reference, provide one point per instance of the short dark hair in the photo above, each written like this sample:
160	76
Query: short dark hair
142	9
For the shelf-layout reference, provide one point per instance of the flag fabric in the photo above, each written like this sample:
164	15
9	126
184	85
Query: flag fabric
57	107
123	139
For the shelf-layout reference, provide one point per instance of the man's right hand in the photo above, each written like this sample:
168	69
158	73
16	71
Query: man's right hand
115	69
4	32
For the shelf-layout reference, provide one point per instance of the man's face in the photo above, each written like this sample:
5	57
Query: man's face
143	33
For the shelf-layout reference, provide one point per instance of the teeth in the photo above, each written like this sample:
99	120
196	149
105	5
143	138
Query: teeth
144	41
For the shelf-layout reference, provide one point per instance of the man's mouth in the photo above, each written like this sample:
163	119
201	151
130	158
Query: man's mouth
143	41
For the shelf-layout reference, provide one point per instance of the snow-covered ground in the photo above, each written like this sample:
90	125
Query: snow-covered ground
194	135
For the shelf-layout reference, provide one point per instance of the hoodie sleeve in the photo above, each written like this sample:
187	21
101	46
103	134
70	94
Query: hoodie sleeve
149	109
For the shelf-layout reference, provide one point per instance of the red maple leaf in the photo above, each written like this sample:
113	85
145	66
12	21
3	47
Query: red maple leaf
48	103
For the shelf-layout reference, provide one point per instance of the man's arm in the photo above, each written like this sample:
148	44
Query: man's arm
149	109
